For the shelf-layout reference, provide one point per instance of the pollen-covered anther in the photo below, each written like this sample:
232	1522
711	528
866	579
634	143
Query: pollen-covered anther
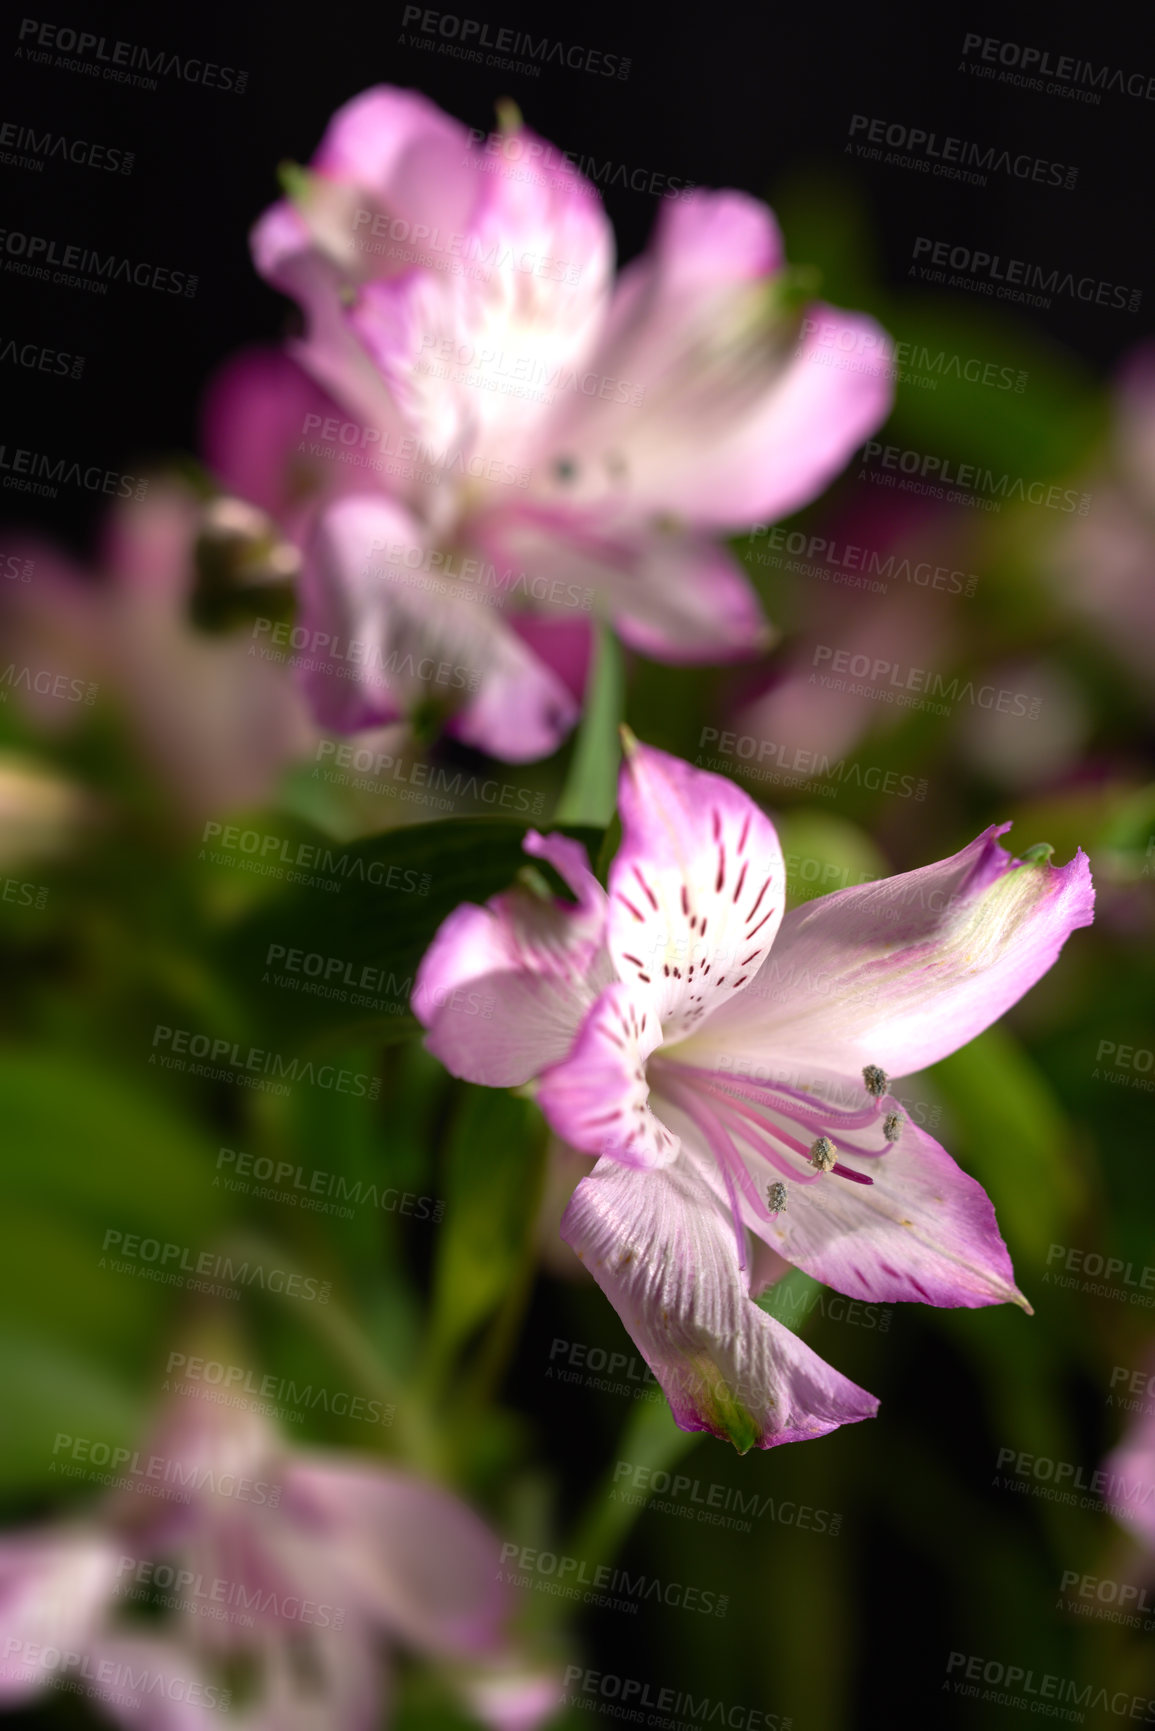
823	1154
877	1081
776	1197
891	1126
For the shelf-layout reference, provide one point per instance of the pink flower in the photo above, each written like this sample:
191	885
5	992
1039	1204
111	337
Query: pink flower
302	1568
554	442
729	1066
1129	1469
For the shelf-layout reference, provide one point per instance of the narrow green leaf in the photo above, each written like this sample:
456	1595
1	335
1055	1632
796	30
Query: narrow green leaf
590	792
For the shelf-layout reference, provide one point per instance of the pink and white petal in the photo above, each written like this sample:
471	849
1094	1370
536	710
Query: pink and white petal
1130	1470
674	596
513	1696
923	1231
154	1683
261	417
415	1559
663	1251
332	353
902	972
503	988
399	637
726	417
55	1585
406	156
597	1098
696	889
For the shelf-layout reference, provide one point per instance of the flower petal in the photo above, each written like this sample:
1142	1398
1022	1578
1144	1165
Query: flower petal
415	1559
503	988
696	888
924	1230
674	596
662	1249
902	972
724	417
55	1584
390	638
597	1098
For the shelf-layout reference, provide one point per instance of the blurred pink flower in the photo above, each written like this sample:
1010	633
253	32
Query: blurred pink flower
546	437
217	723
729	1067
306	1567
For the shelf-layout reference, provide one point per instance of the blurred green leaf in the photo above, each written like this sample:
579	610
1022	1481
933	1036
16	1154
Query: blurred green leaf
1014	1139
590	792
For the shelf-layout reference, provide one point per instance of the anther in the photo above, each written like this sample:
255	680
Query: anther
891	1125
776	1197
877	1081
823	1154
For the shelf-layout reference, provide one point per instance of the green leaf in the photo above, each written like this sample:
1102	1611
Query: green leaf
491	1199
368	937
590	792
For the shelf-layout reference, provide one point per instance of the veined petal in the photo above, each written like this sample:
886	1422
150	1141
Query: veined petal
503	988
902	972
662	1249
696	889
922	1230
597	1098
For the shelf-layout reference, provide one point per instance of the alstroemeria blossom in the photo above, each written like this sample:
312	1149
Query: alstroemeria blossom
728	1065
551	442
299	1570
